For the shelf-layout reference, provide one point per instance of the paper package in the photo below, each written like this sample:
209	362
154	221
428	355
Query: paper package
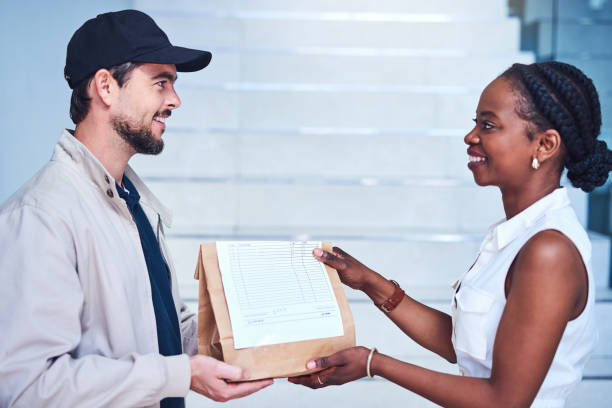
215	336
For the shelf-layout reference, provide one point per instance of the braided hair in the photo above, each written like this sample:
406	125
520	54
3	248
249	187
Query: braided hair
555	95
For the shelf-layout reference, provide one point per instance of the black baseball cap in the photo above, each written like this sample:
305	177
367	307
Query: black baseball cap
125	36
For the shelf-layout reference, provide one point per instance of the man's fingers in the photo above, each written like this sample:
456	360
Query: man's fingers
329	259
242	389
230	372
249	387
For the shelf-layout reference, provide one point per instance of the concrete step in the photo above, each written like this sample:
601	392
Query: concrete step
414	261
372	66
376	393
372	328
287	106
298	30
332	156
316	155
591	393
205	207
198	207
305	153
415	264
466	8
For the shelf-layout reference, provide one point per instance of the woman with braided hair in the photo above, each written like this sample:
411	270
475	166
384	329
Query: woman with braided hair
522	325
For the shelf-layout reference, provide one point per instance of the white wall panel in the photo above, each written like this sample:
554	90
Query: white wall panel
469	8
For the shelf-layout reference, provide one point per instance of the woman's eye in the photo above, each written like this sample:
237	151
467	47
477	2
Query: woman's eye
484	124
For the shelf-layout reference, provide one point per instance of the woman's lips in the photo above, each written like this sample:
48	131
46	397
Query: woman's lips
475	159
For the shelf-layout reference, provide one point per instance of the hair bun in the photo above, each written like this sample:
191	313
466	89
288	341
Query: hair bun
593	170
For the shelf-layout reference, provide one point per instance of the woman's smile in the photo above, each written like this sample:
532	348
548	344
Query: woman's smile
475	159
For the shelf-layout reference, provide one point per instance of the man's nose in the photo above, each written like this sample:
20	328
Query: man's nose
173	101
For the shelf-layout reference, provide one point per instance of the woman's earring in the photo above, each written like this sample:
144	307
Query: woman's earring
535	163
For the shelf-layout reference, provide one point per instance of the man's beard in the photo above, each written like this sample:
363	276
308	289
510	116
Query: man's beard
140	138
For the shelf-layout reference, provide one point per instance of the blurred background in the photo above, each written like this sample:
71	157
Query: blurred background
328	120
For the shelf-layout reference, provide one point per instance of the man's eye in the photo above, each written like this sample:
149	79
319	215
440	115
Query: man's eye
160	84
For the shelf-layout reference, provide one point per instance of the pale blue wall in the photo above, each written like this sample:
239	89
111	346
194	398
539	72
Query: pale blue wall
35	97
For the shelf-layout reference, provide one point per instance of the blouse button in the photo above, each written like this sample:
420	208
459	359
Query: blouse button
106	179
109	193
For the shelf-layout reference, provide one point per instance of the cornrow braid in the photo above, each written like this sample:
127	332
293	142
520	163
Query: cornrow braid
571	100
552	110
587	85
558	95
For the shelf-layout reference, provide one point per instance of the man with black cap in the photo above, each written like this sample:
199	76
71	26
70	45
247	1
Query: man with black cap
89	304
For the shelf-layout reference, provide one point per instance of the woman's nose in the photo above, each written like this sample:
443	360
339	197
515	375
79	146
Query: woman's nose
471	138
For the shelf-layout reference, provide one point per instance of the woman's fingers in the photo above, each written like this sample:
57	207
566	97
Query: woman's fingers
323	378
338	251
329	259
348	258
325	362
315	380
336	369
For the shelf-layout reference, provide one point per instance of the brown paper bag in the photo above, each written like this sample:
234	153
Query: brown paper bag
215	337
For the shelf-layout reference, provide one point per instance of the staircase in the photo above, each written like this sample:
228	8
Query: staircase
343	121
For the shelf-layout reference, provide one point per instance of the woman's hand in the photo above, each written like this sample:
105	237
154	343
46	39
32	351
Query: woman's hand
352	272
340	368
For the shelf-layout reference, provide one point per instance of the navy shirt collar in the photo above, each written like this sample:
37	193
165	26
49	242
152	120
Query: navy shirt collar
128	193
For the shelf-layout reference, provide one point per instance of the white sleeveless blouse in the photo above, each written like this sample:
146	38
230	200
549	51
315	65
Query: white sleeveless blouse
478	304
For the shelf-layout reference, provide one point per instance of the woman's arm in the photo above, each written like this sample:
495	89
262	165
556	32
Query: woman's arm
548	288
427	326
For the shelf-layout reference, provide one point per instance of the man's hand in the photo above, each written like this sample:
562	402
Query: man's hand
208	377
344	366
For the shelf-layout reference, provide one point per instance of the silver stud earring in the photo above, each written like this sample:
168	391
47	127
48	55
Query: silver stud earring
535	163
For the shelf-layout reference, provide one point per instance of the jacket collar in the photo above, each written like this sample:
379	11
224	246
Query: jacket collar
70	149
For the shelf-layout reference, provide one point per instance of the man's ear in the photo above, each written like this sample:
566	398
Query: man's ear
104	86
548	145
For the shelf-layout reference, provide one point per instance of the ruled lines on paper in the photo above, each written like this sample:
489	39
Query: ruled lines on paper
277	292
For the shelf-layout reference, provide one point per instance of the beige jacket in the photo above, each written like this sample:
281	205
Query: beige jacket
76	316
